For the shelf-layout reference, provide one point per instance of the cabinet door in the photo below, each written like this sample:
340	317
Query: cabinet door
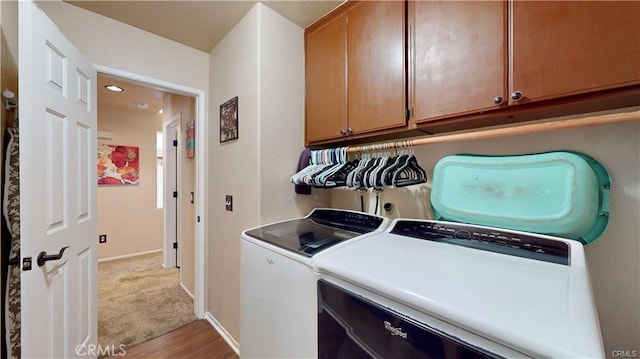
326	80
459	57
564	48
376	58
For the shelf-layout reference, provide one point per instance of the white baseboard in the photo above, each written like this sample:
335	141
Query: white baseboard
223	333
187	291
129	255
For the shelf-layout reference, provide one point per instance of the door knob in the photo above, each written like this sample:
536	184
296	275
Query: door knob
498	100
43	257
343	132
349	131
516	96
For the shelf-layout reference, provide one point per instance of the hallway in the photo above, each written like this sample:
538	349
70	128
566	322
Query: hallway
138	300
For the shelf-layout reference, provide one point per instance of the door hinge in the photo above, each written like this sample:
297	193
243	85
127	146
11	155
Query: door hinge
175	194
198	219
175	143
175	245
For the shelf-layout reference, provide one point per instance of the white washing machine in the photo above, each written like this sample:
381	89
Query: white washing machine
434	289
278	302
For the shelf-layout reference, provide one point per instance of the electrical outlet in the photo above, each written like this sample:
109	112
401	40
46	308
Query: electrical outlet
228	202
102	238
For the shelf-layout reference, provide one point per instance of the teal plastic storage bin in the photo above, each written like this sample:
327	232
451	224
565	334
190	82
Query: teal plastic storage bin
564	194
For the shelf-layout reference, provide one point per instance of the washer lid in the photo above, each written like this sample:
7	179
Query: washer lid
539	308
320	230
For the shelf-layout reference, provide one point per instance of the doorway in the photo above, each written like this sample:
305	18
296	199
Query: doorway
196	164
169	179
200	168
162	124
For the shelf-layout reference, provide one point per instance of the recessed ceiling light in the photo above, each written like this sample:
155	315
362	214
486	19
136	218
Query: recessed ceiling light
114	88
142	105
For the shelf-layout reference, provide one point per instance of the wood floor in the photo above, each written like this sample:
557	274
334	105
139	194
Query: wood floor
194	340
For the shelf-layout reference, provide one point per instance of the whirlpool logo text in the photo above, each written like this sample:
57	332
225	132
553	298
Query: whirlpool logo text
394	331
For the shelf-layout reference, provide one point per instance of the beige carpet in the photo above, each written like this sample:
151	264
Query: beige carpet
139	300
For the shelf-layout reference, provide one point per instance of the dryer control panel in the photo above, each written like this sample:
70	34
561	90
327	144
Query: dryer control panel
350	221
518	244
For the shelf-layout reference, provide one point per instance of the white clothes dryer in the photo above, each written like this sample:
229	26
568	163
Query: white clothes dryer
435	289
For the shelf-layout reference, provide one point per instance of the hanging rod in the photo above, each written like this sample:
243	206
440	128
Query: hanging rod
590	121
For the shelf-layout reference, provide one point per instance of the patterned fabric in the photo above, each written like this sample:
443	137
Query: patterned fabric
11	211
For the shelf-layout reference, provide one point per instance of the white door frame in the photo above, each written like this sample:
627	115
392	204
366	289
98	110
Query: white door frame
201	193
173	209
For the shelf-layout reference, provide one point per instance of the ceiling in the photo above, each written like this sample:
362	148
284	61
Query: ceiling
130	97
200	24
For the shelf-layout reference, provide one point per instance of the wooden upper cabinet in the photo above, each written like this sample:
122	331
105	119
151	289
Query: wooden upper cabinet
376	66
565	48
470	63
326	80
459	57
355	71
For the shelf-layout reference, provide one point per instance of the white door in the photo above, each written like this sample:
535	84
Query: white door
57	89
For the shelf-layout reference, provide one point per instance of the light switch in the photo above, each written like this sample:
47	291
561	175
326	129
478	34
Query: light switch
228	203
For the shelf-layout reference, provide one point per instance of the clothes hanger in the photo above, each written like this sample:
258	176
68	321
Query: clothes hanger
390	163
370	179
387	175
365	175
410	173
401	160
352	177
335	175
339	177
358	175
318	162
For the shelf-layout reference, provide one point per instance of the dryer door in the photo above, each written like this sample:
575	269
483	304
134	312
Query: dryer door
353	327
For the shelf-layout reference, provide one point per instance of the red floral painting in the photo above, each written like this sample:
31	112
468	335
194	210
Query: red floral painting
118	164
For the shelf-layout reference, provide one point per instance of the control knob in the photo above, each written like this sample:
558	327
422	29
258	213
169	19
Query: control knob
462	234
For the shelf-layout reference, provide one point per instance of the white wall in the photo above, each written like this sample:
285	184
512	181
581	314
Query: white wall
127	214
281	118
261	62
234	167
613	259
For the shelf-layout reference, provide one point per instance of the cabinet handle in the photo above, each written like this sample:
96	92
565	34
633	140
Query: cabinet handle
349	131
498	100
343	132
516	96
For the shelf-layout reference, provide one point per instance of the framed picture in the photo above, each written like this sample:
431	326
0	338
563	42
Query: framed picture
229	120
190	139
118	165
